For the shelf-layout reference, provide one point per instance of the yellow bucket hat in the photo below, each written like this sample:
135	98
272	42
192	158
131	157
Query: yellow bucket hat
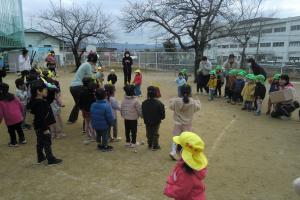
192	150
137	71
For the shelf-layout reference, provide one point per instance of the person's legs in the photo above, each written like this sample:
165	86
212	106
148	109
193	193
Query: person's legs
12	133
206	79
115	129
258	106
75	91
137	90
149	135
104	134
129	74
125	75
133	127
47	147
155	137
20	132
127	130
269	106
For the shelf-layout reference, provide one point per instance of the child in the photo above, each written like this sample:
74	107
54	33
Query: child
137	81
260	93
185	74
102	119
86	99
112	77
220	80
11	110
100	76
22	95
229	84
153	113
180	81
274	86
130	111
238	86
248	92
186	182
115	106
212	85
184	109
57	128
43	118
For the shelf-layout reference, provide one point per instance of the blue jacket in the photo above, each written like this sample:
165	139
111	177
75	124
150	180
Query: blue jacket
238	85
101	115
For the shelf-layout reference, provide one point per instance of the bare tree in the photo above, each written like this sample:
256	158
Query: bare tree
192	23
79	24
246	23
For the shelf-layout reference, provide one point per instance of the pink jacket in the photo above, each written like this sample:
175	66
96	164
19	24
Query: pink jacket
184	186
138	79
131	108
11	111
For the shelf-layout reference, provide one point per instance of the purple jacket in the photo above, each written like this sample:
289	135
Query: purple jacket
11	111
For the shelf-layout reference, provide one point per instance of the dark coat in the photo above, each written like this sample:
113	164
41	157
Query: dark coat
113	78
260	91
257	70
86	99
43	114
153	111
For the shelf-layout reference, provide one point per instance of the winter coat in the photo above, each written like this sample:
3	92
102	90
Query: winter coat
85	70
238	85
101	115
274	87
138	79
186	186
204	69
212	83
131	108
248	92
86	99
260	91
153	111
22	96
257	70
43	114
230	82
180	81
228	66
11	111
183	112
127	61
113	78
114	104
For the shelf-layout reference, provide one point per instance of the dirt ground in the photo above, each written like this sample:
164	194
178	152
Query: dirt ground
250	158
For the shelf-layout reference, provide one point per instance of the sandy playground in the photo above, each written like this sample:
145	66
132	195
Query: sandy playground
250	158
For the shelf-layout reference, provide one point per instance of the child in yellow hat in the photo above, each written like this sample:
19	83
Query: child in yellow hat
186	180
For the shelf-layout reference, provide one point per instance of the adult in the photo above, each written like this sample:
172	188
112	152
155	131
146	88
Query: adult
51	62
203	74
24	63
231	63
256	68
2	68
287	107
127	67
86	69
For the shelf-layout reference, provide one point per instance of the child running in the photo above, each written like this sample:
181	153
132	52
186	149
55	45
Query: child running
186	182
138	82
260	93
102	119
248	92
153	113
115	106
43	118
212	85
130	110
11	110
184	109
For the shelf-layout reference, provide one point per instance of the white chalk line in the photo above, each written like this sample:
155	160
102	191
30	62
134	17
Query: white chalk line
220	137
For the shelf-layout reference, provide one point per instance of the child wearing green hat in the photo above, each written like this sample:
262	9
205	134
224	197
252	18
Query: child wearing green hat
259	93
229	84
274	86
238	86
248	92
212	85
220	79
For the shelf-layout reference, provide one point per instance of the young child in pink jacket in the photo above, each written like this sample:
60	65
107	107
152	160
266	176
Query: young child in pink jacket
131	110
186	182
11	110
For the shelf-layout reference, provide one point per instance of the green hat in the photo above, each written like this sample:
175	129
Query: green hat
276	76
183	71
212	72
261	79
242	73
233	72
219	67
251	77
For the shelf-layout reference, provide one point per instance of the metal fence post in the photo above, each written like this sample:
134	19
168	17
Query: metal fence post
156	60
139	55
109	60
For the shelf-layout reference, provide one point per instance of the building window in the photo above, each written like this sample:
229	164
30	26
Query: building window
269	30
294	59
219	46
278	58
265	44
295	44
278	44
30	45
281	29
47	46
295	28
225	46
233	46
252	45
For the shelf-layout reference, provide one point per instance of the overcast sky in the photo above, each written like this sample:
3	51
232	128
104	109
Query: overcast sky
32	9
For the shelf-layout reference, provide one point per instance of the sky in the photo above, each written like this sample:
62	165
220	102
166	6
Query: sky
33	8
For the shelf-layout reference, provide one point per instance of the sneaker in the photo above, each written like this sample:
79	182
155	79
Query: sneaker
23	142
127	144
107	148
39	162
173	156
55	162
156	148
12	145
132	145
100	147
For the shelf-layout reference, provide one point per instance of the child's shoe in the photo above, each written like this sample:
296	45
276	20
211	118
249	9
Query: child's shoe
156	148
40	161
107	148
55	162
12	145
173	156
244	108
23	142
127	144
132	145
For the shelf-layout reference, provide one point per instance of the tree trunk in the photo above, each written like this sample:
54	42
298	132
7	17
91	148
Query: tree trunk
243	58
198	56
77	58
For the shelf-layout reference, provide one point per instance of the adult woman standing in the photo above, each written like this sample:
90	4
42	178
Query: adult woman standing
86	69
256	68
24	63
127	67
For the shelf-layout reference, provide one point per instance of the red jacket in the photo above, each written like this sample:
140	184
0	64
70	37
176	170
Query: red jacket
138	79
184	186
11	111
